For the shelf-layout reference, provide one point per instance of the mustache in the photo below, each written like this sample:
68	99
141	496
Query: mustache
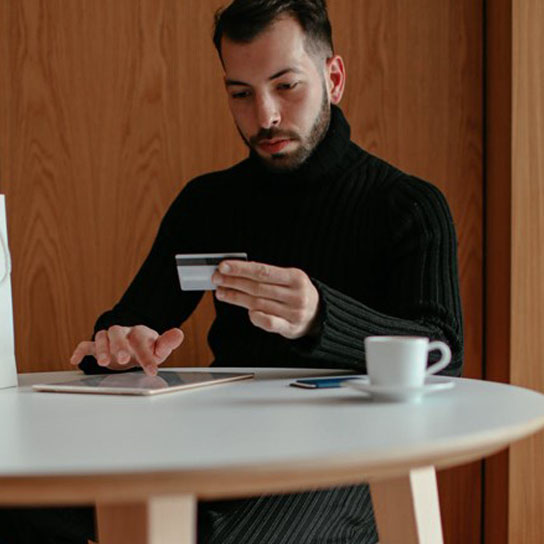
270	133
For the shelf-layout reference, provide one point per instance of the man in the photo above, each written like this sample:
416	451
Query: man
341	246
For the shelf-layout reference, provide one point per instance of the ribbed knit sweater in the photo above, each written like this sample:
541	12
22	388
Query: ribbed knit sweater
380	247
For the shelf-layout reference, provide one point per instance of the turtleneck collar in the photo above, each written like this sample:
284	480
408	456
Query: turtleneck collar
325	161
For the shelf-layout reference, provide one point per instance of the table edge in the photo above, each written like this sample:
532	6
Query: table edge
244	481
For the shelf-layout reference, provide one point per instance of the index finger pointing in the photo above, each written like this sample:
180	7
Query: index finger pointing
260	272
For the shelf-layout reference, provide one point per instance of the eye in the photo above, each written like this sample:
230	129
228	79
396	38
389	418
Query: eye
287	86
240	94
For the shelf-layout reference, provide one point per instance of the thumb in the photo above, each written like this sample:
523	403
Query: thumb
167	342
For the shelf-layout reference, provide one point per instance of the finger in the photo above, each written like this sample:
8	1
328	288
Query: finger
260	272
102	343
82	349
270	323
168	342
295	317
249	302
119	346
255	288
142	341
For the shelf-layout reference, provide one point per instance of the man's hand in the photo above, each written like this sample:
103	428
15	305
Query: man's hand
280	300
120	348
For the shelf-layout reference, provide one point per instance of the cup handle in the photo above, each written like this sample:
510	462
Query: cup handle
445	359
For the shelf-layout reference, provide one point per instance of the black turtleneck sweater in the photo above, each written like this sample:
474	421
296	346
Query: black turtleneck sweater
379	246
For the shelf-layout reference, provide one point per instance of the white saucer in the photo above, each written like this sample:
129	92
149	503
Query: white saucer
396	393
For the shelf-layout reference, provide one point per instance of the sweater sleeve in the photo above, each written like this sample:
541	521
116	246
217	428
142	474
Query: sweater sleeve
154	297
421	292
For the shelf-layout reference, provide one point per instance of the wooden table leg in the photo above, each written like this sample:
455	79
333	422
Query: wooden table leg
159	520
407	510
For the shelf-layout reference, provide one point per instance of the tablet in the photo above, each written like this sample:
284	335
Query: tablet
138	383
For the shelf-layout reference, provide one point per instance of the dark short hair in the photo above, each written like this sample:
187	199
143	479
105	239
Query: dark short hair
242	20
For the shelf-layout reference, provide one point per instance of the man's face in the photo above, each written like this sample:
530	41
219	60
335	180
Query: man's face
277	94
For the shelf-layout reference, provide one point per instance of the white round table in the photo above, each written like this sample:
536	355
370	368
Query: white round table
148	459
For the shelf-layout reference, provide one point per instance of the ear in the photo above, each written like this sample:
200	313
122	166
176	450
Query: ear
336	78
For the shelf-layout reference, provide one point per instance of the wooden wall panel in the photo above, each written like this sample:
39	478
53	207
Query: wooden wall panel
526	462
515	234
108	108
498	104
414	97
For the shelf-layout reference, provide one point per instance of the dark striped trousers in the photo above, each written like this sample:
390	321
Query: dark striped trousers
332	516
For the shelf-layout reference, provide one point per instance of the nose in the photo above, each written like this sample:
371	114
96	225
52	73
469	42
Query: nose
267	112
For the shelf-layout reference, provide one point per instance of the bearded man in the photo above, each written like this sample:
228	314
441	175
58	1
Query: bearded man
341	246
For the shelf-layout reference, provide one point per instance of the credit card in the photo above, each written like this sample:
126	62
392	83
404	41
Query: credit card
195	270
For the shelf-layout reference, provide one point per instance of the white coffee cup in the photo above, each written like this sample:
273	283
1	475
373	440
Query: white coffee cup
402	360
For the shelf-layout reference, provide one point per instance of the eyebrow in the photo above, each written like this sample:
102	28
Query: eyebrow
229	82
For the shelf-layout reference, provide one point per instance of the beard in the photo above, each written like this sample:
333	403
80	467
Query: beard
290	161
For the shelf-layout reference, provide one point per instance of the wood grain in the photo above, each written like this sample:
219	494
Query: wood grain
107	113
526	462
515	166
498	255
